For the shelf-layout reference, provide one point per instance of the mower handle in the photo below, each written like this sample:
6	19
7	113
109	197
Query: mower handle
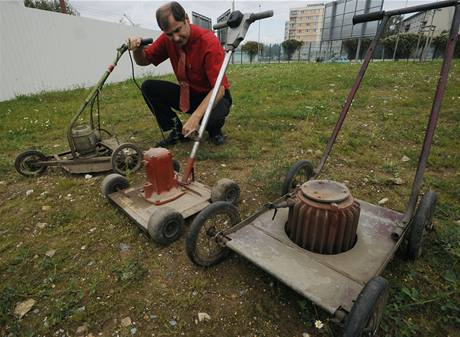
145	42
368	17
238	16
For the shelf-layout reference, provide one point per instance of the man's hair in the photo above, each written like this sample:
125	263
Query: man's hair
173	8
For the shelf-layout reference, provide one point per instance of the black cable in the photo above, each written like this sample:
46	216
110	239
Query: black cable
146	98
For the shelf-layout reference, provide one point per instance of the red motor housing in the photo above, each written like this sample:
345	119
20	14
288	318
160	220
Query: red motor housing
160	173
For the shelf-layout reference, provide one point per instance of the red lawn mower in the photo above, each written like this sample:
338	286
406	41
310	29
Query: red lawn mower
160	205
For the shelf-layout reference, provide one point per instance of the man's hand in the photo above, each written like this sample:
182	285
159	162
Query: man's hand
190	126
133	43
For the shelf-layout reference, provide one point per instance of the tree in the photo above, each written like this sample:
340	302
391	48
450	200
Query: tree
290	47
406	45
252	48
393	25
440	43
50	5
351	47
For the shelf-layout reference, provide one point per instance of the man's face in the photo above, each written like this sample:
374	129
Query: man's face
178	31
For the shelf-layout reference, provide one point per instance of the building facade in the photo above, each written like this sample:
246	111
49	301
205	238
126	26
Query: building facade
305	23
435	21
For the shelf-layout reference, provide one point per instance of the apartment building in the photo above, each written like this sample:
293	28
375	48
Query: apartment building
435	21
305	23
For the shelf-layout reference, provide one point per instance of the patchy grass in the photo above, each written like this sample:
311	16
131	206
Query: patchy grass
104	269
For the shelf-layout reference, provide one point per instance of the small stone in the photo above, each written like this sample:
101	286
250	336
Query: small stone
46	208
457	222
133	331
42	225
173	322
202	316
305	334
24	307
126	321
383	201
397	181
2	182
50	253
81	330
88	176
29	192
405	158
223	165
83	247
123	247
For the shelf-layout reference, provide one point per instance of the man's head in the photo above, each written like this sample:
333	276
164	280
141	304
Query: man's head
173	20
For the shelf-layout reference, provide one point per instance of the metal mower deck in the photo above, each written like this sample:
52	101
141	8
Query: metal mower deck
331	281
131	202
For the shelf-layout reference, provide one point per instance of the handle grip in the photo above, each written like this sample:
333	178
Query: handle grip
145	42
261	15
368	17
220	25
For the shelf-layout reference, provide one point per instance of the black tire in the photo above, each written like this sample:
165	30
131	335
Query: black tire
365	315
176	165
299	173
165	225
112	183
207	224
422	221
25	163
225	190
126	158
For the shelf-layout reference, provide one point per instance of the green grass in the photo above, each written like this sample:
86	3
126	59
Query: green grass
282	113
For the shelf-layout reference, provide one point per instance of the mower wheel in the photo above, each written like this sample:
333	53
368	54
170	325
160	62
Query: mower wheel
422	221
225	190
126	158
201	243
366	313
299	173
26	163
176	165
165	225
113	183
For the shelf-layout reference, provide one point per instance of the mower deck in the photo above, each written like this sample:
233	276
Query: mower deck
331	281
133	204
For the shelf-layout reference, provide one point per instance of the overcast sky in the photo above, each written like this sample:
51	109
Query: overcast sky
143	12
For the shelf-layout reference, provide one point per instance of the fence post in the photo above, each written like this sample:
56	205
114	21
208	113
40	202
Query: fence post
279	55
241	53
309	51
269	53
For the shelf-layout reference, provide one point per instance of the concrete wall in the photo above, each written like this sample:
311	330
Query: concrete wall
42	51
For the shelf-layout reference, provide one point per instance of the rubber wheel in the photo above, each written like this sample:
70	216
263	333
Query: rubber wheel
365	315
25	163
165	225
422	221
126	158
200	244
299	173
176	165
225	190
112	183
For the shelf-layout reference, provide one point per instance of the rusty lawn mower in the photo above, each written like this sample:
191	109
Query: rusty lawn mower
89	151
318	239
160	205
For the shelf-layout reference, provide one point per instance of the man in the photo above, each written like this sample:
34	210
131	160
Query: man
196	57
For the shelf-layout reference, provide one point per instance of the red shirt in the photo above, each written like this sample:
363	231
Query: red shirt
204	57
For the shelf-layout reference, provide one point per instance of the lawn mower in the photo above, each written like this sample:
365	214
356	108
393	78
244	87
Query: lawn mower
90	151
317	239
160	205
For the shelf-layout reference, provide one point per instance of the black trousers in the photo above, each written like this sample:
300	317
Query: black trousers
163	96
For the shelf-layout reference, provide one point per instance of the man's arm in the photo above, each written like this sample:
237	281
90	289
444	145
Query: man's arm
134	44
195	118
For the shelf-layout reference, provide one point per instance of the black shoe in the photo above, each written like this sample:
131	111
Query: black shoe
217	139
172	139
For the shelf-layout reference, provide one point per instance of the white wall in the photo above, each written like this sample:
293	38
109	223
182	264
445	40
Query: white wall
42	50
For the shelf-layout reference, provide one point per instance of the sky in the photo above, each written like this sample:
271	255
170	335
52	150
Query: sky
143	12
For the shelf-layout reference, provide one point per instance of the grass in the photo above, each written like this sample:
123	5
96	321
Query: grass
282	113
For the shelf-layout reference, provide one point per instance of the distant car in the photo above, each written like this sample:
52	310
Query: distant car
337	59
